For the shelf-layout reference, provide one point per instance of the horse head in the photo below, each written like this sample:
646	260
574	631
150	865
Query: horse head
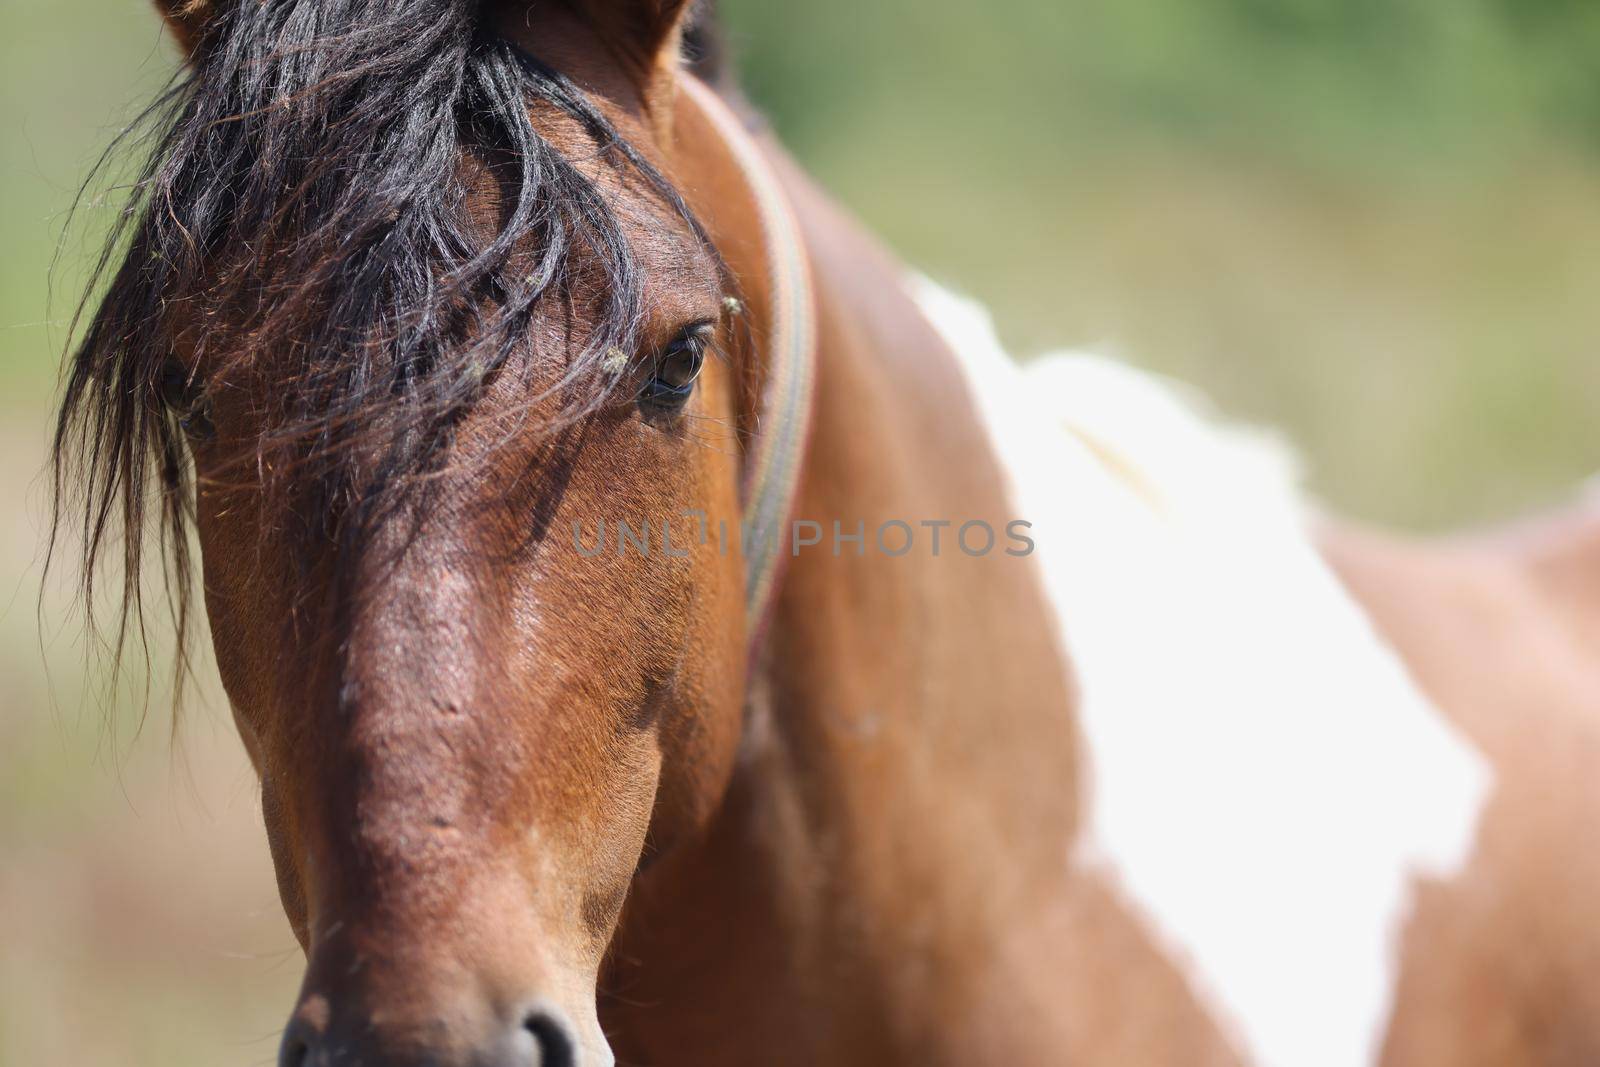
412	314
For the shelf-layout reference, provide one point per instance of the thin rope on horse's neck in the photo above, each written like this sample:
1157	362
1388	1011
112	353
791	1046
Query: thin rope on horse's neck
784	412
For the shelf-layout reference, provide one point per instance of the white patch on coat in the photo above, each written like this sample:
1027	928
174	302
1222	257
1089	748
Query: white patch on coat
1266	778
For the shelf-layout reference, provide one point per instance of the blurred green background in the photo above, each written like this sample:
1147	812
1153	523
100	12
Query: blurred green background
1372	223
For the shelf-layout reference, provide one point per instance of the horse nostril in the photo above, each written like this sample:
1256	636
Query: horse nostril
295	1051
553	1038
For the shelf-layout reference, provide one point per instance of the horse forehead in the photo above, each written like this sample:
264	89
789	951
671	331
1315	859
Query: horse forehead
656	228
428	599
436	608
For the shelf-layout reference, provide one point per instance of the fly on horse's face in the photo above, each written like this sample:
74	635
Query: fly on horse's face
467	730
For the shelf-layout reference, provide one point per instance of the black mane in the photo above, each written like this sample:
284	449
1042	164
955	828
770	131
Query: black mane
307	177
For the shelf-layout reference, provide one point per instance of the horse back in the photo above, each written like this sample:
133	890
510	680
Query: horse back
1559	555
1501	963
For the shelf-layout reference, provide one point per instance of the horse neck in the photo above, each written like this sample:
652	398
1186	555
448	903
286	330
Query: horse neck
908	781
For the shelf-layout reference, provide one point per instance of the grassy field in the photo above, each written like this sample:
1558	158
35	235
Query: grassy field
1374	224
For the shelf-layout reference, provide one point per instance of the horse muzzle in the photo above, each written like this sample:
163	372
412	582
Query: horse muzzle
534	1034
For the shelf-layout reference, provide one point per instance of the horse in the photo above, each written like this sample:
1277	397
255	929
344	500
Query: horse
668	632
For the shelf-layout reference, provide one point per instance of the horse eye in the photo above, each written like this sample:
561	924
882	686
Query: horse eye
672	379
183	395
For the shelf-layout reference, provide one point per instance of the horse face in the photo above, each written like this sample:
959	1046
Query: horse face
473	707
513	684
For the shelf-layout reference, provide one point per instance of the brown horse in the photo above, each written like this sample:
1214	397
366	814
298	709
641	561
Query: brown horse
569	478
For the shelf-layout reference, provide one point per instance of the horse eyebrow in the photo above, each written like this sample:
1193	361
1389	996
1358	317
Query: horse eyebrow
309	179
